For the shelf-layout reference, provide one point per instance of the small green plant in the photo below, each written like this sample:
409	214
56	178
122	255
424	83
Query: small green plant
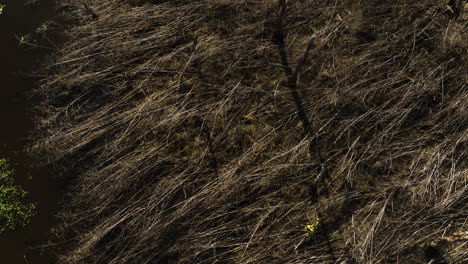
23	40
43	27
2	7
312	228
14	211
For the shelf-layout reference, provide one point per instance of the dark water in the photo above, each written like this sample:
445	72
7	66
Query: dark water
16	125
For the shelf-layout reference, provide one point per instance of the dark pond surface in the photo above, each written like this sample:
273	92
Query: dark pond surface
16	62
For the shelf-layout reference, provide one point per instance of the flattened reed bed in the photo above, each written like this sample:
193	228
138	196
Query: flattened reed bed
213	131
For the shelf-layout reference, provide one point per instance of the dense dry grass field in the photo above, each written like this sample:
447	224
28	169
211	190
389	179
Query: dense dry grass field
214	131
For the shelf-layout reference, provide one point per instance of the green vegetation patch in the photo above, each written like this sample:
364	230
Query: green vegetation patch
14	211
2	7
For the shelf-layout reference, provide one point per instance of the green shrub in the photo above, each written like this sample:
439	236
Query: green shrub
14	211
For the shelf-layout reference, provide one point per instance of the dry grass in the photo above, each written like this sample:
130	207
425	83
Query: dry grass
213	131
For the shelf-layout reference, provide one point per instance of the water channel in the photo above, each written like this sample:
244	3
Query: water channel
17	63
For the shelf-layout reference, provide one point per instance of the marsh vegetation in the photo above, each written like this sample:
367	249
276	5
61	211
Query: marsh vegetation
240	131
